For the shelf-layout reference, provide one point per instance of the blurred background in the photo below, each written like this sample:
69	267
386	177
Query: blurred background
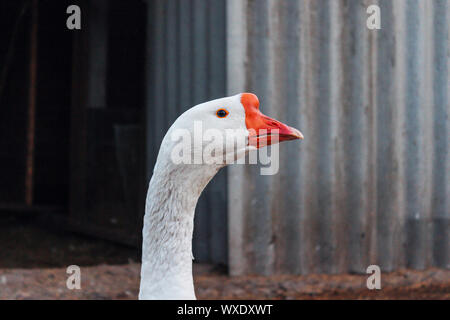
83	113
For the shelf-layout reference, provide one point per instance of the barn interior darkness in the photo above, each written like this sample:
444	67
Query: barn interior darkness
85	175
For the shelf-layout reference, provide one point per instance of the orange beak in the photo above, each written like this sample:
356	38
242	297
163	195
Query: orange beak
264	131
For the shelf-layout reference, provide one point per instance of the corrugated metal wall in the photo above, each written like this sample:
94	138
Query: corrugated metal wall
186	66
370	184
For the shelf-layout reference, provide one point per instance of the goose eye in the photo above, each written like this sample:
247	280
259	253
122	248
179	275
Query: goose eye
222	113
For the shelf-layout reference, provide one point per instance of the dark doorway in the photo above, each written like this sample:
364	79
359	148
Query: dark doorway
34	160
72	102
107	122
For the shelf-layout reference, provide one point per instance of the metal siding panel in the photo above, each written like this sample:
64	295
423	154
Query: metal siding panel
217	80
441	162
186	54
201	31
370	182
288	230
171	60
419	102
259	227
156	122
186	49
236	39
355	123
387	165
308	185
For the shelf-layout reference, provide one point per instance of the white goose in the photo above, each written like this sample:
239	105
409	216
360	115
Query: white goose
174	189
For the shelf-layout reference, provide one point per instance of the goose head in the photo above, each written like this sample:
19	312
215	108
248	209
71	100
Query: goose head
223	130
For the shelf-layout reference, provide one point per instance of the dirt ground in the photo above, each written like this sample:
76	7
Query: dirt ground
122	282
33	265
